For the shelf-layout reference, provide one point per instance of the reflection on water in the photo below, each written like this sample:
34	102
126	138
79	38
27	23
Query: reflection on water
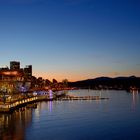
135	98
50	106
116	118
12	126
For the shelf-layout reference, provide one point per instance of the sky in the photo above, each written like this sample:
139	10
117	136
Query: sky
72	39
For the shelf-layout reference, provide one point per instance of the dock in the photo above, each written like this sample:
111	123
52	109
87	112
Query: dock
69	98
9	107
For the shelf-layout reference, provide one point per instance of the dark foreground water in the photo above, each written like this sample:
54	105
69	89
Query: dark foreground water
115	119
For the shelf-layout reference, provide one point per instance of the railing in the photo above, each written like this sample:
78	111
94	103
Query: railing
18	102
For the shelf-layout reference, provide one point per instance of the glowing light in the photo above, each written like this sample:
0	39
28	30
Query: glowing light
10	73
50	94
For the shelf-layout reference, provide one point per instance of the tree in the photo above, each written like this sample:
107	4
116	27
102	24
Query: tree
65	82
40	82
47	82
54	81
33	81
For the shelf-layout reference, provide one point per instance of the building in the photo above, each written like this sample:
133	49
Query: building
28	71
14	65
11	80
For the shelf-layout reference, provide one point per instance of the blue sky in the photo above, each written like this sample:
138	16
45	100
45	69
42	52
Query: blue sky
73	39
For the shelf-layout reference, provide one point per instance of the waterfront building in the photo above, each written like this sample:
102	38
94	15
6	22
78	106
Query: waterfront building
15	78
14	65
10	79
28	71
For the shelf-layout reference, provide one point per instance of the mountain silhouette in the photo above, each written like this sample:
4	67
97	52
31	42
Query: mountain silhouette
108	83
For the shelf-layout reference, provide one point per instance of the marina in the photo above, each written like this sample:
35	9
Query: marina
28	102
76	119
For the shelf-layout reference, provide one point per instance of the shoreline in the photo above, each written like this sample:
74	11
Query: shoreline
9	107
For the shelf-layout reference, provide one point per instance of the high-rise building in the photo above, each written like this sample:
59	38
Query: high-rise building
28	71
14	65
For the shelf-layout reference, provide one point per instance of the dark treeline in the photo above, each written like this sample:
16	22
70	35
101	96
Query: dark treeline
118	83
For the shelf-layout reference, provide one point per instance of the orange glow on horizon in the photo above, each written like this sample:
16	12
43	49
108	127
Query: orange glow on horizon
76	76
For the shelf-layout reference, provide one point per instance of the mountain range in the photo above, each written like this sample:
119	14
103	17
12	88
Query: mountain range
108	83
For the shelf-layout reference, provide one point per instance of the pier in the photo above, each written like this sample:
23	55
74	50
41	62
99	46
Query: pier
69	98
11	106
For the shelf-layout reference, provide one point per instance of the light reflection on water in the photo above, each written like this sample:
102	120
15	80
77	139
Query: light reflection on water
12	126
116	118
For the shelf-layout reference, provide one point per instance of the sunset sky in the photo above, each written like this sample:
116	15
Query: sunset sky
73	39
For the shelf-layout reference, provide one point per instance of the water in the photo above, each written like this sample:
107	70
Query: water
114	119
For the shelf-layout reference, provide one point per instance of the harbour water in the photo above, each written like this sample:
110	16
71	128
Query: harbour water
114	119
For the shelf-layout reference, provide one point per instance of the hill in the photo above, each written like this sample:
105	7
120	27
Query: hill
108	83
